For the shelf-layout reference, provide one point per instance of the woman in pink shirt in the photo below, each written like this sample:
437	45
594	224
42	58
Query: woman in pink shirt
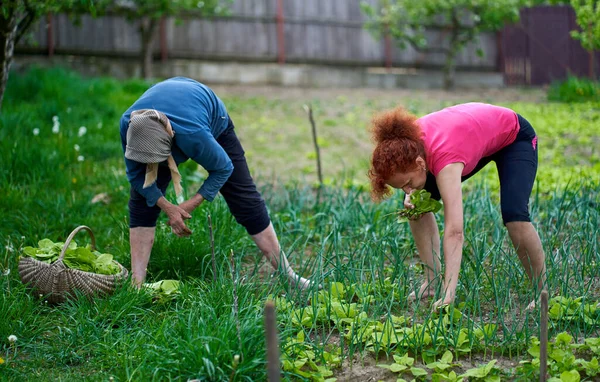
437	153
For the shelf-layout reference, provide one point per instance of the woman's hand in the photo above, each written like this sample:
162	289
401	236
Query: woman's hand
176	215
407	203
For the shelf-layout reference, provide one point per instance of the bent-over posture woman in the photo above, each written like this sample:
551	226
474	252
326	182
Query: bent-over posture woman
437	153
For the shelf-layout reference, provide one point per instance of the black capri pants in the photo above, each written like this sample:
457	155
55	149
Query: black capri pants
517	167
240	193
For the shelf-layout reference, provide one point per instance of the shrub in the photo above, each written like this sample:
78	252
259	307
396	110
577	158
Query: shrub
574	90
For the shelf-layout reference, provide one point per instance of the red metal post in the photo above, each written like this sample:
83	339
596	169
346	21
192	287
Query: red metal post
163	39
50	35
280	33
387	41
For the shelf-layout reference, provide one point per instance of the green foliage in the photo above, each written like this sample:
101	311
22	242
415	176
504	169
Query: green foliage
423	203
587	14
572	310
82	258
155	9
574	89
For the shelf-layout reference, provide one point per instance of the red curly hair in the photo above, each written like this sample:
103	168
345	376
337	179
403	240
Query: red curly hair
398	143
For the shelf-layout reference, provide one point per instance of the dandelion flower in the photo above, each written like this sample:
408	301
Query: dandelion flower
12	338
80	158
55	124
76	147
82	131
36	131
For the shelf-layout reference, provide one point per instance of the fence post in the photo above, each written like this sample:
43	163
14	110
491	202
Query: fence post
280	33
50	35
163	39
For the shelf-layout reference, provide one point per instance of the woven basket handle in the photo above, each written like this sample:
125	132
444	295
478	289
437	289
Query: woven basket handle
72	235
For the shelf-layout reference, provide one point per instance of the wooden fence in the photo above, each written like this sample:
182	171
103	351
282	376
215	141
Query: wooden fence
313	31
539	49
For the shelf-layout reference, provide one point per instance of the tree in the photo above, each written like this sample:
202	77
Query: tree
147	14
588	18
16	18
407	20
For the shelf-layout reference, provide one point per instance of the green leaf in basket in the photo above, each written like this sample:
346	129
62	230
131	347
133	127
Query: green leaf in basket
80	258
105	265
45	244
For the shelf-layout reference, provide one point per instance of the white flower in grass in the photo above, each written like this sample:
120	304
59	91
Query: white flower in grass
55	124
82	131
36	131
76	147
68	110
9	247
80	158
12	338
6	272
99	125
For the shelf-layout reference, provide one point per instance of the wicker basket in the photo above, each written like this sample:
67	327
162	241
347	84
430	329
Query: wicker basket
57	282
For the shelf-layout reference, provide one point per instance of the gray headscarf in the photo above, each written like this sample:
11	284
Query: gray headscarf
149	140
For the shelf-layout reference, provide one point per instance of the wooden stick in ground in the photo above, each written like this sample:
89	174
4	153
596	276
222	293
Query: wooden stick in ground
235	298
308	109
212	248
544	336
273	372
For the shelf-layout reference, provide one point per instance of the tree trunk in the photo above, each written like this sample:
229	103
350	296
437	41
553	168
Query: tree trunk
147	28
449	69
8	33
455	47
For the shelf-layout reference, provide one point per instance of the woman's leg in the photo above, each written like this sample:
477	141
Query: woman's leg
142	228
248	207
517	168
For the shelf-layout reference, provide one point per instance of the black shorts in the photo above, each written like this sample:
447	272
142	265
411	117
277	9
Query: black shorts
517	166
240	193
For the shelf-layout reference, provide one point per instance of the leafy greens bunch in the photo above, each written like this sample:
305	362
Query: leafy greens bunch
81	258
423	203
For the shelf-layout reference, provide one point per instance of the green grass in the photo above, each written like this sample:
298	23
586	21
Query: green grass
353	246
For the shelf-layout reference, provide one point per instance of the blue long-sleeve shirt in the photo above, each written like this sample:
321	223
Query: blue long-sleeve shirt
198	117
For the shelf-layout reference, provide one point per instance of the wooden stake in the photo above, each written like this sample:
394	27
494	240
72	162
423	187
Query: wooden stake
212	248
308	109
273	372
544	336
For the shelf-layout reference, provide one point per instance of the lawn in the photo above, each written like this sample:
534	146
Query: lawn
62	167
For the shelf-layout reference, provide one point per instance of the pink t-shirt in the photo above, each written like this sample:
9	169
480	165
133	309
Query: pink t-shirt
466	133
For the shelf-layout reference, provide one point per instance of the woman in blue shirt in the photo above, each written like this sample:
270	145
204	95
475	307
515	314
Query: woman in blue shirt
173	121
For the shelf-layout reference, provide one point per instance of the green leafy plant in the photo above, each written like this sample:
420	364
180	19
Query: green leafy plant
570	309
82	258
164	290
423	203
488	373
